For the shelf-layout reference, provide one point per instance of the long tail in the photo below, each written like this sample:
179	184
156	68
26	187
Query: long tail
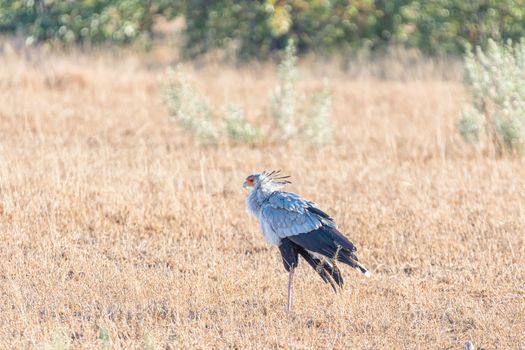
359	267
349	258
329	273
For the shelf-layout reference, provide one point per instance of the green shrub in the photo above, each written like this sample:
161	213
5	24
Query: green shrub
496	80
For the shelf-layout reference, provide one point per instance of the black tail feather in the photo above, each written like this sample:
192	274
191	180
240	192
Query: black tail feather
327	269
350	259
329	273
325	275
336	274
290	255
329	242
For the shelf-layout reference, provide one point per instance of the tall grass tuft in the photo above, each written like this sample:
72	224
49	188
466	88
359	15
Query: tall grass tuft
496	80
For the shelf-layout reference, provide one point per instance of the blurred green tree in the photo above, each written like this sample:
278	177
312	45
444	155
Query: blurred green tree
257	28
86	21
452	26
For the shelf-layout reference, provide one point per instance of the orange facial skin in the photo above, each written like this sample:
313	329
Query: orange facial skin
250	180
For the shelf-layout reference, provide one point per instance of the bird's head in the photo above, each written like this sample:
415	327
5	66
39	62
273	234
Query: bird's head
266	180
251	181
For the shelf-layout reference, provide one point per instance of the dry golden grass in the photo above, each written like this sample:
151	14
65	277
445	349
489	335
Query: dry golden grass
116	225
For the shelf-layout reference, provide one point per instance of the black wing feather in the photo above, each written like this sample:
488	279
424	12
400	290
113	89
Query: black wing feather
327	241
319	212
289	253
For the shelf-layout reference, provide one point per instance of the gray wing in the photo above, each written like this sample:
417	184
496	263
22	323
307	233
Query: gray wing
287	214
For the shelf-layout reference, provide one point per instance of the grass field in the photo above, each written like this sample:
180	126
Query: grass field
119	231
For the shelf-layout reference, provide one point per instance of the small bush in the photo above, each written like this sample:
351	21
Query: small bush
496	80
284	99
512	132
194	113
189	107
238	128
318	130
470	124
315	127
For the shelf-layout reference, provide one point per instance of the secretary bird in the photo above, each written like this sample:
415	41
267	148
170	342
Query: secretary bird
298	227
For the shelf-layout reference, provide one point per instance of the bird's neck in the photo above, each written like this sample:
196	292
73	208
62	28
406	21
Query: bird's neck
256	199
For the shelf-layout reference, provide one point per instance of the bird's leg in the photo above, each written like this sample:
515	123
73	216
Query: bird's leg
290	289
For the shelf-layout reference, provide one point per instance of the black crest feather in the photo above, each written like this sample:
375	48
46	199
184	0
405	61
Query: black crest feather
277	177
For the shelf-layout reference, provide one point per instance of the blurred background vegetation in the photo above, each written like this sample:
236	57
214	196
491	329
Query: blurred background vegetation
257	29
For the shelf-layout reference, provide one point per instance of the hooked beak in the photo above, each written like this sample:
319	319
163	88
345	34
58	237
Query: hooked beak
245	185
